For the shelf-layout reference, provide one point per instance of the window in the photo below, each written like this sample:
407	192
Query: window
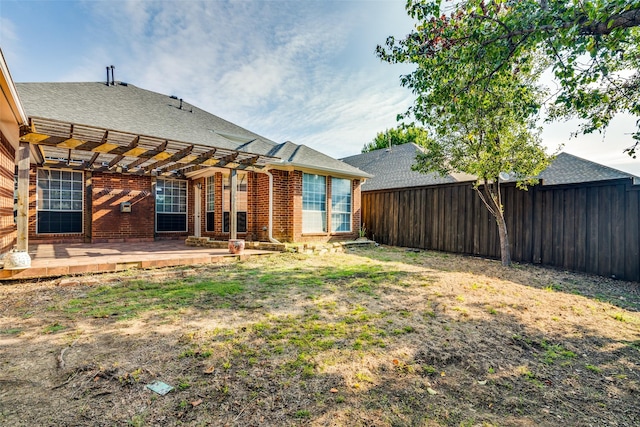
340	205
241	203
171	205
59	201
314	203
211	202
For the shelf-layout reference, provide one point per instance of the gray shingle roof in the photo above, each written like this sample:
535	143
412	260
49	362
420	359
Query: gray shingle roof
570	169
392	169
303	156
128	108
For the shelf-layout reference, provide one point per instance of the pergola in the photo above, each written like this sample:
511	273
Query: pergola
91	149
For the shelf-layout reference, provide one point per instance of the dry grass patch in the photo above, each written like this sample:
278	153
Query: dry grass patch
378	336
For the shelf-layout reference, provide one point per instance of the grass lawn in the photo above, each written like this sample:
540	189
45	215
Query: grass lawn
375	337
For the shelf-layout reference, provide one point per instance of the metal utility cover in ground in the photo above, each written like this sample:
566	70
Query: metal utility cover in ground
159	387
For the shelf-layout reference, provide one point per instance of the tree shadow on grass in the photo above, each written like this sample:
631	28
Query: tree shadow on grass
619	293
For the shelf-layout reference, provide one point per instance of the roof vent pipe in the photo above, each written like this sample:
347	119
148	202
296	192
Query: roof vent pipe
113	77
107	75
181	103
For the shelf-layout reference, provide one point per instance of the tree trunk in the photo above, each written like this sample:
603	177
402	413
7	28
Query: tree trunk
492	199
505	249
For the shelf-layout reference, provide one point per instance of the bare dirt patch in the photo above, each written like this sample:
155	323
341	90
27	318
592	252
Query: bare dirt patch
378	336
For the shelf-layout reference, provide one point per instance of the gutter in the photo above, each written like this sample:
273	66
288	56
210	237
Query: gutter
289	166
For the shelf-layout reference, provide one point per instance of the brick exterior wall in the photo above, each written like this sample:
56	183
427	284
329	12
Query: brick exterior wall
295	186
108	224
7	172
103	221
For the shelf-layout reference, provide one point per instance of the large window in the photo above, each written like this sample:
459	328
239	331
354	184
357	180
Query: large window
59	201
171	205
314	203
211	202
241	203
340	205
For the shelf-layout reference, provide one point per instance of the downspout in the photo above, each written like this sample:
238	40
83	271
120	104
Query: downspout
270	228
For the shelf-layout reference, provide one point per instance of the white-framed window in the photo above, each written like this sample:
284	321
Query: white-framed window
59	201
340	205
241	202
314	203
211	202
171	205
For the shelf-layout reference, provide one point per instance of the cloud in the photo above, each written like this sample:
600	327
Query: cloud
281	69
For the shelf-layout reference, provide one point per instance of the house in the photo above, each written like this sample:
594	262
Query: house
391	168
582	216
12	117
112	162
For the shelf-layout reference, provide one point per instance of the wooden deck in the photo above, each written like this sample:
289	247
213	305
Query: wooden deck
53	260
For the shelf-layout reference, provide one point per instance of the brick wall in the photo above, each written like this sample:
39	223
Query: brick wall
261	206
295	186
108	224
7	171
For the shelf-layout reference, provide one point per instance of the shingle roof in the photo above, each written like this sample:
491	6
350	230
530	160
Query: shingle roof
303	156
128	108
392	169
569	169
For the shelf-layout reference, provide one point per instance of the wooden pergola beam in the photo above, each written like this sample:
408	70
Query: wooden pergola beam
90	163
174	158
147	155
49	137
228	159
120	151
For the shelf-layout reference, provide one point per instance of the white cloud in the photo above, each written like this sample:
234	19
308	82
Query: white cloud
281	69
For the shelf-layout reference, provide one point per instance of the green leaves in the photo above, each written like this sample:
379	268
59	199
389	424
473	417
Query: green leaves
403	134
465	48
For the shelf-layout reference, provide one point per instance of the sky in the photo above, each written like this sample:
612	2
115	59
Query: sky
300	71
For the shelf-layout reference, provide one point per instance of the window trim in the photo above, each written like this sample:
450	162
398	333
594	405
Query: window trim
186	211
210	186
324	212
350	230
227	176
82	201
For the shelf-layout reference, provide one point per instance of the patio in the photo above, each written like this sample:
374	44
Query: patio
52	260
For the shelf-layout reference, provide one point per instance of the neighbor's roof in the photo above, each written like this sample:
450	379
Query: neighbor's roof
127	108
569	169
392	169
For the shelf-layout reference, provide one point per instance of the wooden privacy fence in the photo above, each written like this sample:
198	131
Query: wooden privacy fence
590	227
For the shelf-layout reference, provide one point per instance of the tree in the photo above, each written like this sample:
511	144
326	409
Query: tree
490	135
483	115
592	47
403	134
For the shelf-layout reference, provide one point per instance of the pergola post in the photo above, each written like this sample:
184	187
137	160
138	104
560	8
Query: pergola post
23	198
233	209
